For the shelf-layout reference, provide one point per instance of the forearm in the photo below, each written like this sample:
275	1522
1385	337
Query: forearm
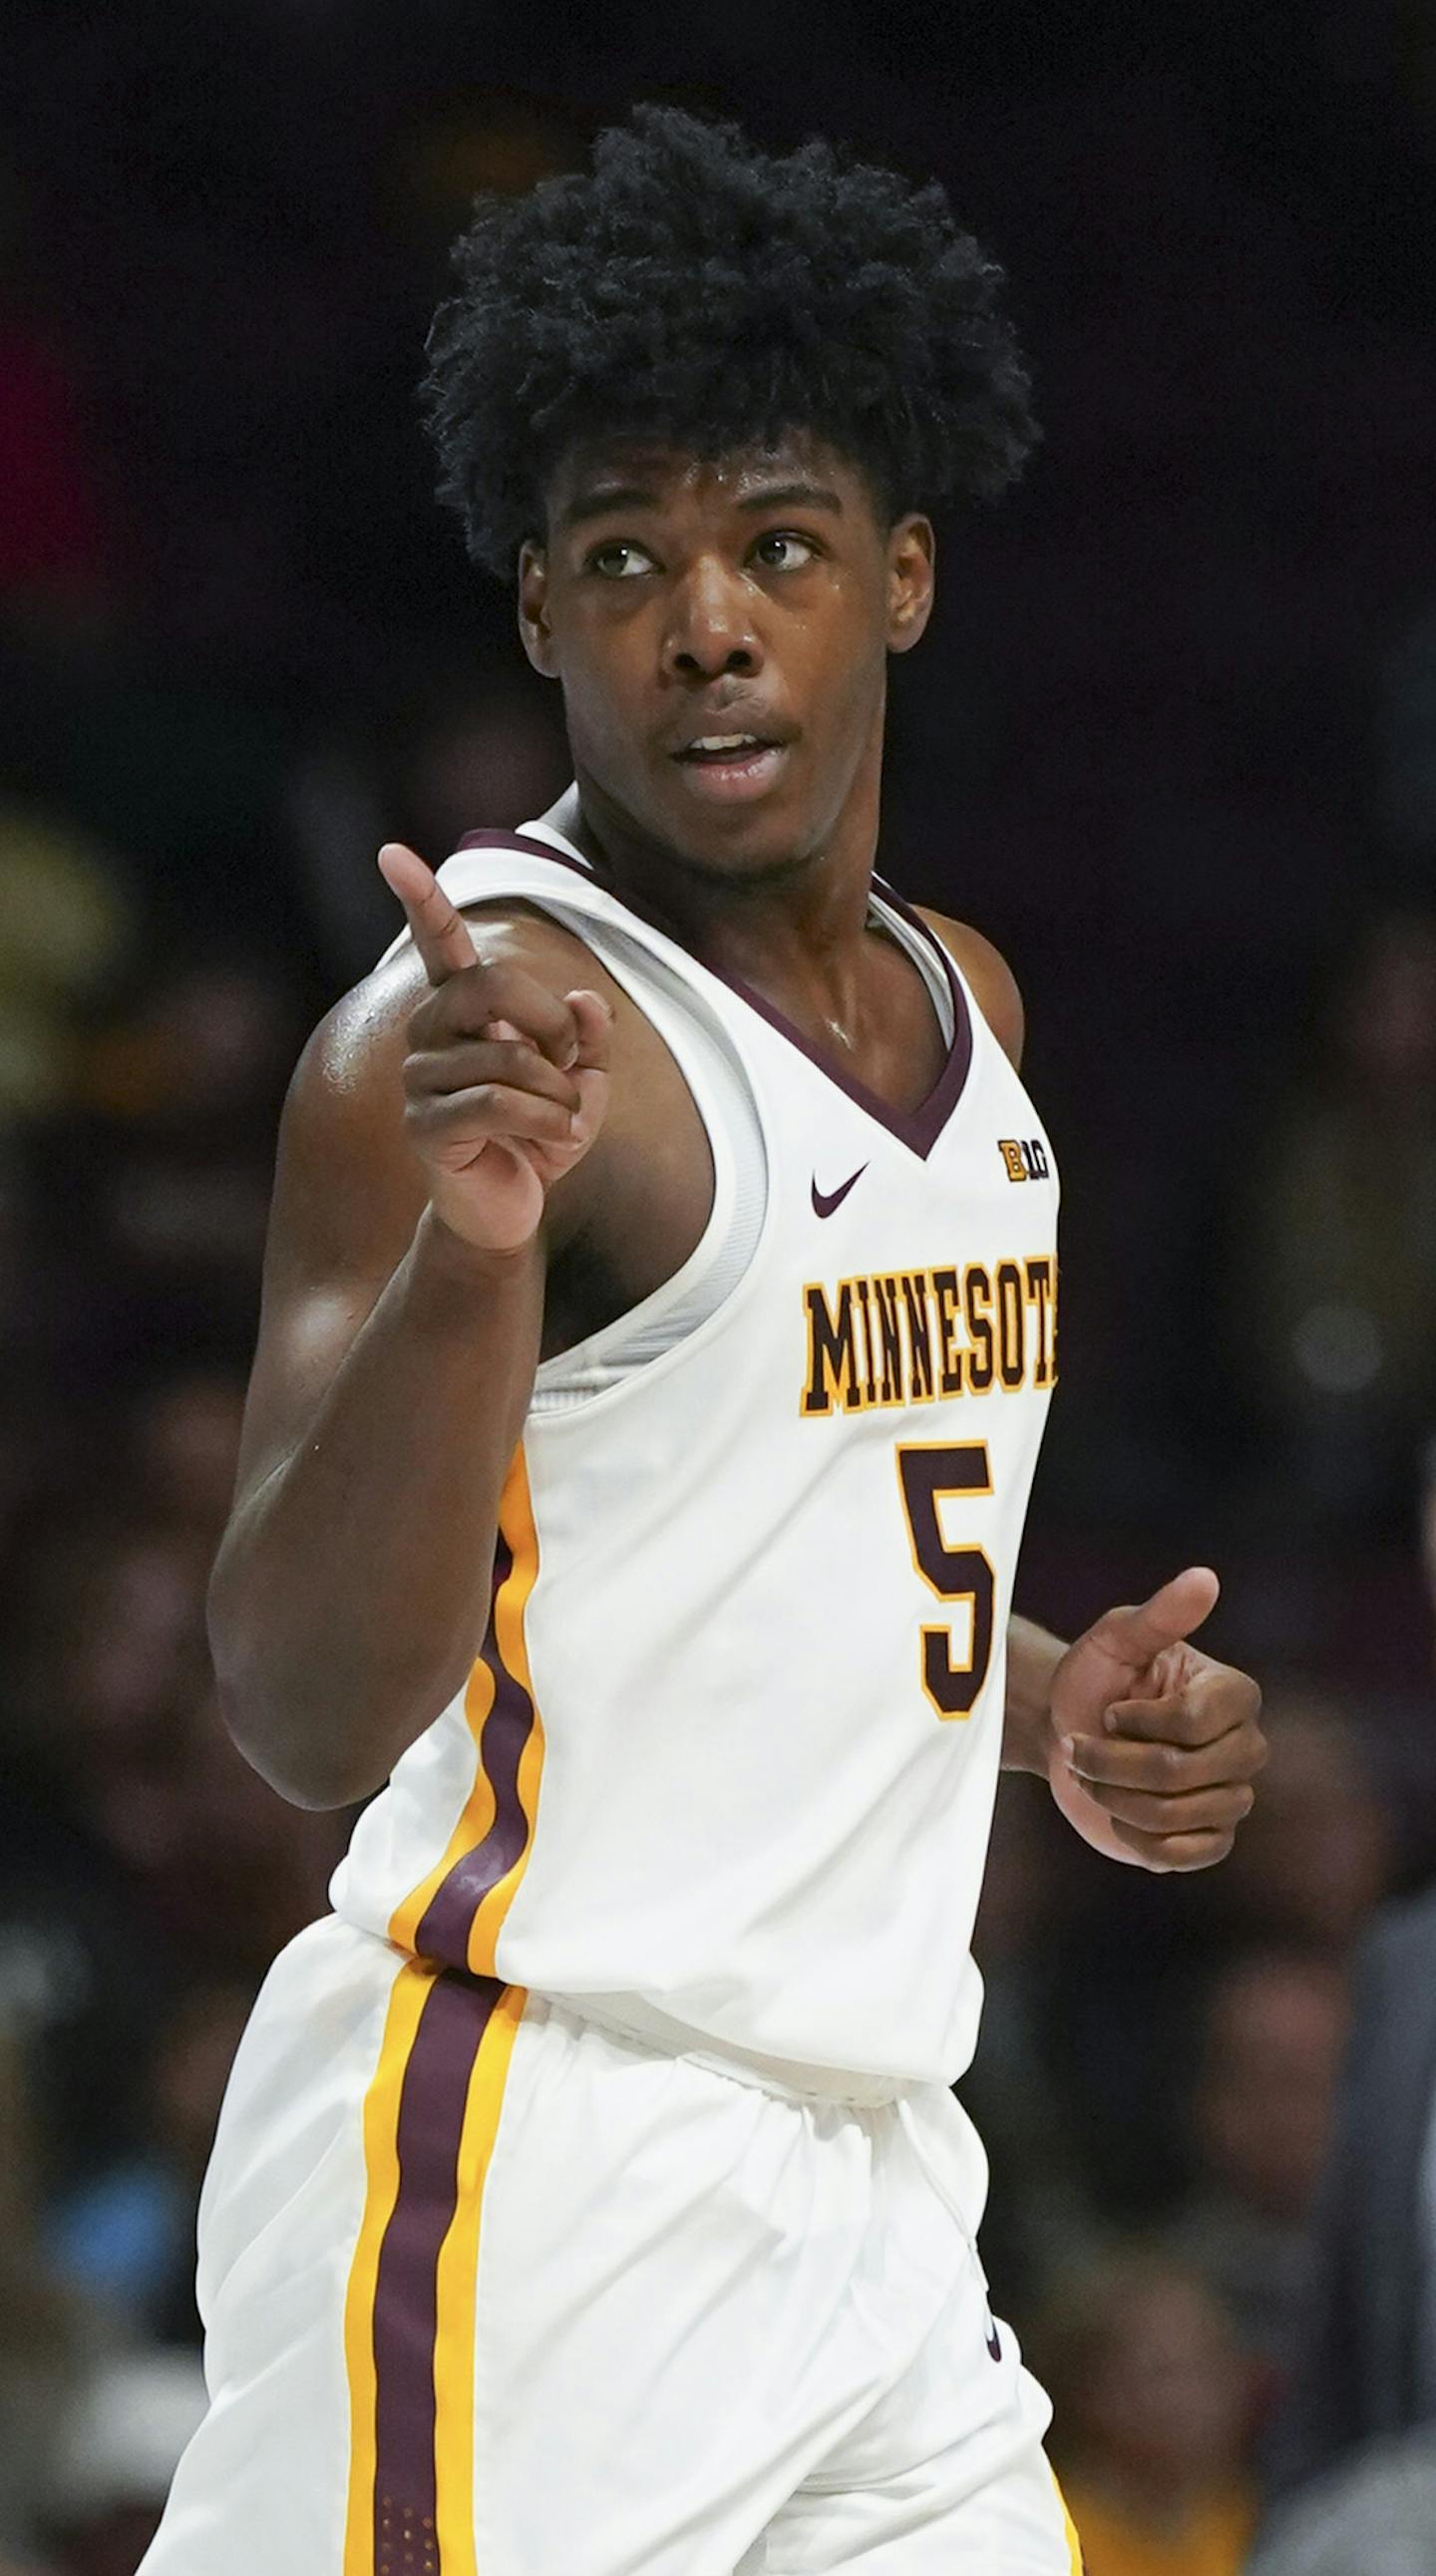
1029	1735
351	1590
1033	1656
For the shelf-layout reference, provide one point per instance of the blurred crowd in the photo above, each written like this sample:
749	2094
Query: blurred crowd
1172	743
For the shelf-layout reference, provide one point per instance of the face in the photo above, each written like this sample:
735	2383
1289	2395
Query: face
678	600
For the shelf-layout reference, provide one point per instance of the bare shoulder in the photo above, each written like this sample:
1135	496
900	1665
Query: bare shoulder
990	976
349	1191
343	1123
363	1038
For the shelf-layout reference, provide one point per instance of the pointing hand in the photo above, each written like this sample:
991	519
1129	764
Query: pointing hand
505	1082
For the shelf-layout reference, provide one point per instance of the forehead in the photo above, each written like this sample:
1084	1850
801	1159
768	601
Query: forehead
668	477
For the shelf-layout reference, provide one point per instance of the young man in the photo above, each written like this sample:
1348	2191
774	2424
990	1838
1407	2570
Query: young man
659	1323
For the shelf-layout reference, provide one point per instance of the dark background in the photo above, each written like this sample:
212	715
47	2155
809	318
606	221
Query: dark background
1171	741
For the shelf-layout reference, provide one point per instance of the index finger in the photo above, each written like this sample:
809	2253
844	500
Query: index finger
440	933
1194	1717
1135	1637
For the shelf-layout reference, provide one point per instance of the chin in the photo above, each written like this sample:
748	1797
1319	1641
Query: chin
739	840
751	861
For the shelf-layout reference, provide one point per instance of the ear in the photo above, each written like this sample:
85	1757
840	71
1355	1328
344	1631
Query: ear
912	557
535	632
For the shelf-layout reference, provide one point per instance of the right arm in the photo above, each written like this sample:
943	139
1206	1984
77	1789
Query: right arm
423	1177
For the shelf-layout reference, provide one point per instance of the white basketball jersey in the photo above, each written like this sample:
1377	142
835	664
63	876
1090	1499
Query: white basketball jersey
727	1756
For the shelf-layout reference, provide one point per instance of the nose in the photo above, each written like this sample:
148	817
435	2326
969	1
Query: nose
710	627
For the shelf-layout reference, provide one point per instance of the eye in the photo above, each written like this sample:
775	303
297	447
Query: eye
619	559
781	537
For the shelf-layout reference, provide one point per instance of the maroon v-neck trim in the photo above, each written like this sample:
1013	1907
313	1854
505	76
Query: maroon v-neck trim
918	1129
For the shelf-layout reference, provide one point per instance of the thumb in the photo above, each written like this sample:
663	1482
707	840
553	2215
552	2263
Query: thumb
594	1021
1134	1637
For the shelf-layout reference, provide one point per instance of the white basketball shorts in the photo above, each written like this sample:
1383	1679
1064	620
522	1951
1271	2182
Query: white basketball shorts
491	2290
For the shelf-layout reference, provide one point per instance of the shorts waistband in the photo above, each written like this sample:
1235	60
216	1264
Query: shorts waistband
628	2017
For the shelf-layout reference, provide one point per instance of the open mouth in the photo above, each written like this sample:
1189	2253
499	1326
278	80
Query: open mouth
728	765
720	750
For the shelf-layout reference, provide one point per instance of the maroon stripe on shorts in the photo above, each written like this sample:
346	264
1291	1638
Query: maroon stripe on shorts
431	2125
448	1918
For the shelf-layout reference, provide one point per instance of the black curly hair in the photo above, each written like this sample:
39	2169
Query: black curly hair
699	292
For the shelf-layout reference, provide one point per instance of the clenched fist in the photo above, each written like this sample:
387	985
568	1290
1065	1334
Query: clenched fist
505	1082
1155	1746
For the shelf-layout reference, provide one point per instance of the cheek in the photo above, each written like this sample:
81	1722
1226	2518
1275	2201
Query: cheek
845	704
606	672
852	685
599	716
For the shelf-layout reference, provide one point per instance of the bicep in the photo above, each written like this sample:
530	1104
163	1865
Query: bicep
349	1190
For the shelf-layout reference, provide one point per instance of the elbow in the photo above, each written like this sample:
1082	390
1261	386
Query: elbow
322	1725
322	1741
266	1710
291	1751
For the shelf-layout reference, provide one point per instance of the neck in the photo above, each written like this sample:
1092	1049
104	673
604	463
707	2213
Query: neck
796	932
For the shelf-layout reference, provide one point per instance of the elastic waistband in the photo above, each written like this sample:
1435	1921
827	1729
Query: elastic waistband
628	2017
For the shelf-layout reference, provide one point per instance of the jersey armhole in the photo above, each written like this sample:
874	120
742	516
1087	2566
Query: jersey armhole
718	1084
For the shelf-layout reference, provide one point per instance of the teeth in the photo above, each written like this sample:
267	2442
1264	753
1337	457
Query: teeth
724	742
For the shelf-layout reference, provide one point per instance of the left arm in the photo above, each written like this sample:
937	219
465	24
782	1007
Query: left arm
1033	1655
1149	1746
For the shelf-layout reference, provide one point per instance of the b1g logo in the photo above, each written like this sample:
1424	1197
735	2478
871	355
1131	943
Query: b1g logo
1025	1157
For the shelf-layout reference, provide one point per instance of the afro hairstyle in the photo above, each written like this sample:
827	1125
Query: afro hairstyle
698	292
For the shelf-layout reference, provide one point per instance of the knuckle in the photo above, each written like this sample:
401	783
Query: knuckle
461	999
513	1060
432	1024
1201	1849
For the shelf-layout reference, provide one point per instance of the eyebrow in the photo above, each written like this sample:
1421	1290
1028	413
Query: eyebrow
811	496
635	496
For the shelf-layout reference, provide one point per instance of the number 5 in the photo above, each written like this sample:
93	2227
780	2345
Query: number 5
927	1475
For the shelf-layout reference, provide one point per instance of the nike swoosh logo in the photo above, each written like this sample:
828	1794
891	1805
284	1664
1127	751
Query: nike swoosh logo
824	1201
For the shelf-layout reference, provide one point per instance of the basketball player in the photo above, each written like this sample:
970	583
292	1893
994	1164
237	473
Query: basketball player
659	1324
